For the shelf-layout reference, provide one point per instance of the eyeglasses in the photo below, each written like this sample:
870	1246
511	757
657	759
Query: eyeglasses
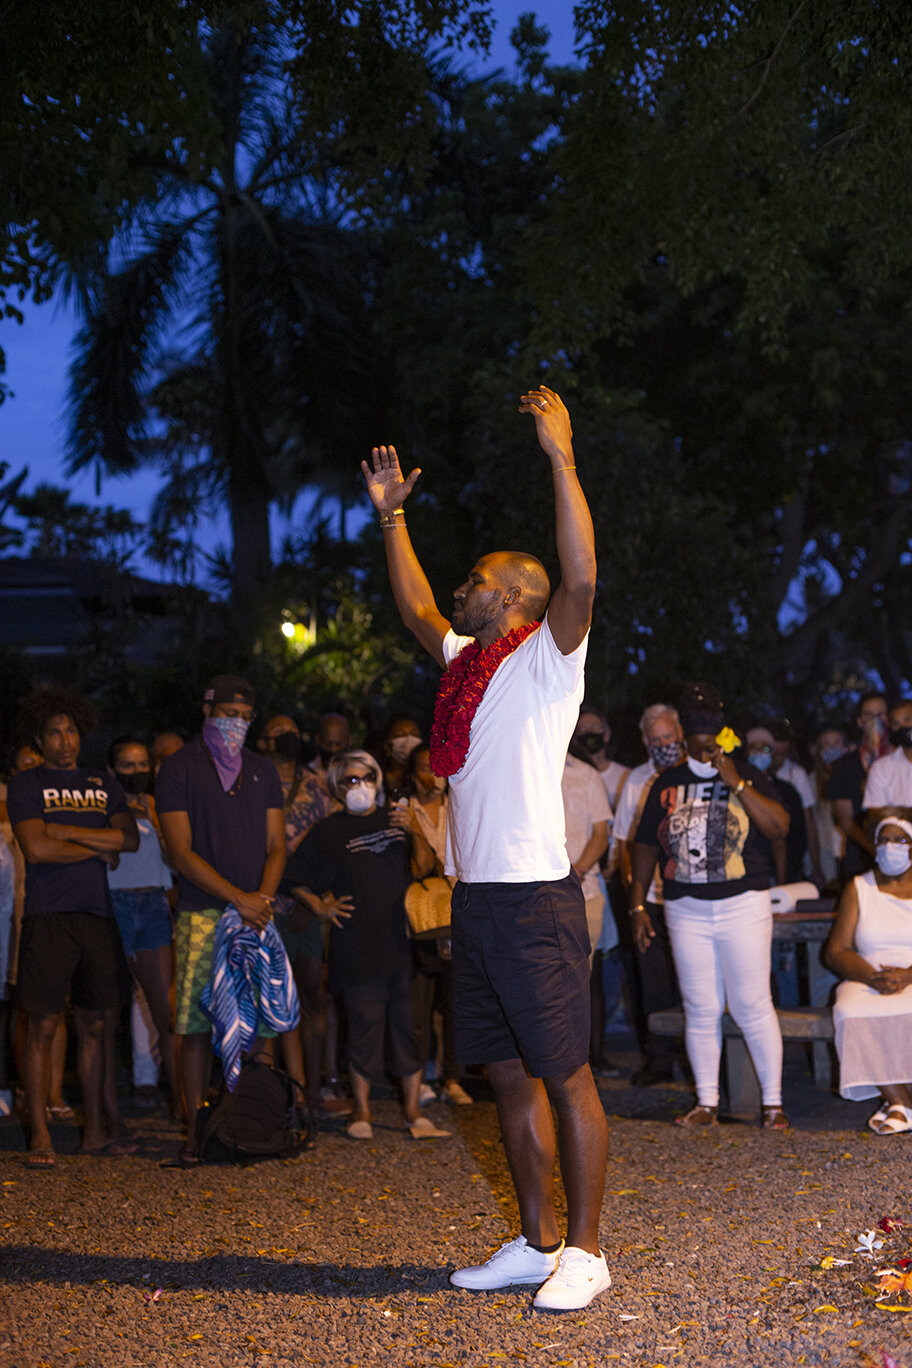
352	780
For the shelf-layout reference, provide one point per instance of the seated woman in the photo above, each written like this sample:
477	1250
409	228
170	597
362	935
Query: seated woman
870	946
352	869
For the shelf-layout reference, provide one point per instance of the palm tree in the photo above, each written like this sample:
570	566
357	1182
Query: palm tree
224	342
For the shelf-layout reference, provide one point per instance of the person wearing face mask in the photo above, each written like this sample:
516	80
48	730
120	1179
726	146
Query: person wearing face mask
704	821
139	887
870	947
787	852
307	800
846	785
223	820
400	737
352	869
650	965
593	735
889	782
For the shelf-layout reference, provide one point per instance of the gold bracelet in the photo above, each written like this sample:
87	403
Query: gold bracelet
389	519
558	469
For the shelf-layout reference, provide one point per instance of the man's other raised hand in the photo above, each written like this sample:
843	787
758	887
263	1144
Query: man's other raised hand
385	485
552	422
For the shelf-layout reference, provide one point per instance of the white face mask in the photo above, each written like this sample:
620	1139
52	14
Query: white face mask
360	798
893	857
401	747
702	768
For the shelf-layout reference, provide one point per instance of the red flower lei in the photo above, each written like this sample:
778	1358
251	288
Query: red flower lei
461	690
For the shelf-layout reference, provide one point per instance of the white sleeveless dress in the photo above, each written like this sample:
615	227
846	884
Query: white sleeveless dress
874	1030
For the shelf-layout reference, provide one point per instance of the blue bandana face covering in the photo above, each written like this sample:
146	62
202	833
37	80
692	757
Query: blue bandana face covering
761	760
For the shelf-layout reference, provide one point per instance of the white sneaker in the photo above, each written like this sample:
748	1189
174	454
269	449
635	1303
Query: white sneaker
577	1279
515	1262
426	1094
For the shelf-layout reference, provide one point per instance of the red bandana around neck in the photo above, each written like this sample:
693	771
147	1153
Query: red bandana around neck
461	690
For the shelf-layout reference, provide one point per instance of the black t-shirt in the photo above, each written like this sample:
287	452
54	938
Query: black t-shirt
71	797
368	860
709	847
847	780
228	829
796	842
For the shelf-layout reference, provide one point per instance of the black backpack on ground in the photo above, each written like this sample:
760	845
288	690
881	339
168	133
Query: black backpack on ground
259	1120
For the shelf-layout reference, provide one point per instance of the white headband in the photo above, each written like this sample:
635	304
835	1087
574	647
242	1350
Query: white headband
893	821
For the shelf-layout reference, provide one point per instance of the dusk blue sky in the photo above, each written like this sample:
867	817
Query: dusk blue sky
32	420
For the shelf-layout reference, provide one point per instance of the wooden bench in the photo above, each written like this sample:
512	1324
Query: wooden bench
813	1024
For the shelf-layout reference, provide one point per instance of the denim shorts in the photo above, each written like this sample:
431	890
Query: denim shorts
521	974
143	918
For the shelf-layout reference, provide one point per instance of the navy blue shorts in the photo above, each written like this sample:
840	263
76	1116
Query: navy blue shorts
521	974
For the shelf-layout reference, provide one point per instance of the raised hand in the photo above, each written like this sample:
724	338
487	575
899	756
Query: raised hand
385	484
552	422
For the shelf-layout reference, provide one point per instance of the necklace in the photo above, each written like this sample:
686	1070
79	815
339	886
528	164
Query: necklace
461	690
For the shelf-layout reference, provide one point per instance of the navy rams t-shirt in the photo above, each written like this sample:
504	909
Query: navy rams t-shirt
71	797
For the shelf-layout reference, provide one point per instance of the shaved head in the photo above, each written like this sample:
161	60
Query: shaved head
517	569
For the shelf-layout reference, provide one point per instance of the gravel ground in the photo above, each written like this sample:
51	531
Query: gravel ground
340	1257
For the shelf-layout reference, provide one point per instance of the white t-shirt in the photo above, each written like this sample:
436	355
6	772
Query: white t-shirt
889	782
799	779
506	817
585	803
627	816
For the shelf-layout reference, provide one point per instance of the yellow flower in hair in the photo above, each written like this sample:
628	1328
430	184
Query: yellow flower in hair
728	740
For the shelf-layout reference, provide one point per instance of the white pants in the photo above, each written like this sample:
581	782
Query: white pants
722	953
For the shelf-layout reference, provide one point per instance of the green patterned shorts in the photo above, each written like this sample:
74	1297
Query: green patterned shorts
194	939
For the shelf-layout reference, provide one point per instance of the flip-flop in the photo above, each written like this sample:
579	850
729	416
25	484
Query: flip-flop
359	1130
114	1149
897	1121
424	1129
64	1113
774	1118
40	1159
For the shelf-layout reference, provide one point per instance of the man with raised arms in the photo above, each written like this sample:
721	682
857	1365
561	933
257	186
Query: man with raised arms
506	709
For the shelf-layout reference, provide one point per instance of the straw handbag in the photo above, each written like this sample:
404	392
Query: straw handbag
427	906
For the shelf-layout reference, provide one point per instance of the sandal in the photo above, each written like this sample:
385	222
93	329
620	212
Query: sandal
897	1120
359	1130
774	1118
40	1159
876	1121
62	1113
114	1149
699	1115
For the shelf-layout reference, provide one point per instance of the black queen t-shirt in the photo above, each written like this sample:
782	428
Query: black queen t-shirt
72	797
709	847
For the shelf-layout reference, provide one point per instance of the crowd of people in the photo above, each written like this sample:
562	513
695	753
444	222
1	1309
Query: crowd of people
476	897
114	879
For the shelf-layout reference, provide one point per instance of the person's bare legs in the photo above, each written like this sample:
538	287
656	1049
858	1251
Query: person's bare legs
195	1070
411	1089
308	975
530	1143
582	1138
57	1065
36	1071
153	971
361	1095
110	1099
90	1064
